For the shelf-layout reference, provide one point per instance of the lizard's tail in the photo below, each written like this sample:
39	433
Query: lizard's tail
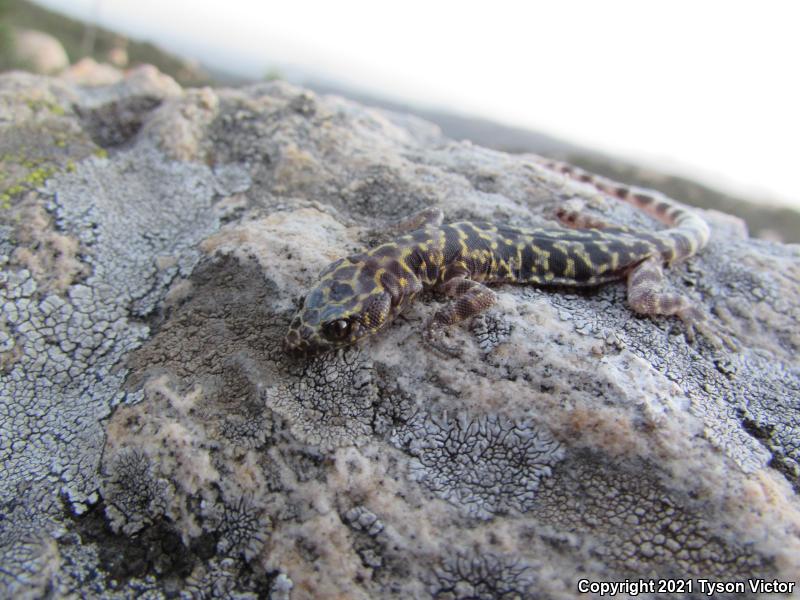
689	233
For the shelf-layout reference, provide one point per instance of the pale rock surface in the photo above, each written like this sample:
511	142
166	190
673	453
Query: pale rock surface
156	442
40	52
88	72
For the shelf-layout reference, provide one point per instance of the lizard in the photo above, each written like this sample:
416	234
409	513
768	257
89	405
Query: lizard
362	294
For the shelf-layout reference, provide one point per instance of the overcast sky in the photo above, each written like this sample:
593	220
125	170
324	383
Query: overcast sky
700	87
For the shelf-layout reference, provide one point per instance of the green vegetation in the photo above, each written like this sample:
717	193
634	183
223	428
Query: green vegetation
48	146
80	39
22	173
274	75
34	179
6	46
39	105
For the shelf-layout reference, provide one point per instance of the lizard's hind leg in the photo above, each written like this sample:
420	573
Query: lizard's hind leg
646	296
578	219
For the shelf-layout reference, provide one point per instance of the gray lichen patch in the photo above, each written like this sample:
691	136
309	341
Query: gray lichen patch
135	494
485	465
490	331
62	381
472	575
52	257
361	518
331	402
29	528
223	578
85	333
83	264
631	522
138	209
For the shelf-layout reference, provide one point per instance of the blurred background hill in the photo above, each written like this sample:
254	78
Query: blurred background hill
81	39
21	22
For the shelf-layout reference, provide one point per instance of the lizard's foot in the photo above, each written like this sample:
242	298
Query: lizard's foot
646	297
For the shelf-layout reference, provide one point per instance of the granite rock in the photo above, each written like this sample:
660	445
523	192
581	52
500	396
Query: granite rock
156	441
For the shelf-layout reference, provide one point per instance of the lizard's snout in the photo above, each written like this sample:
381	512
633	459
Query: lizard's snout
294	343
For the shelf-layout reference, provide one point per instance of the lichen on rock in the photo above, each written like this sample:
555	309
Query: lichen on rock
488	465
471	575
156	440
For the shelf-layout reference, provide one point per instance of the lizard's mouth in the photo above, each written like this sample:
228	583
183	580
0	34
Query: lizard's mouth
294	345
299	339
303	340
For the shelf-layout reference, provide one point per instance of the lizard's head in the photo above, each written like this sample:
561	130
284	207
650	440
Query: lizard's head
344	307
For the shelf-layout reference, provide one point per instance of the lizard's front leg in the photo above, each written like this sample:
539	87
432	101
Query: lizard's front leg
469	298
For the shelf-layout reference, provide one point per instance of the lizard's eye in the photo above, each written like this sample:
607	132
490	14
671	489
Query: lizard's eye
336	330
